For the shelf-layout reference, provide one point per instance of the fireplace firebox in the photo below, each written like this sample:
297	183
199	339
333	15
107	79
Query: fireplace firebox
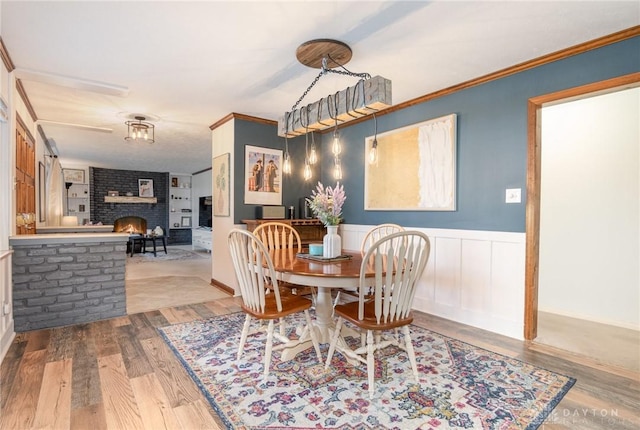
136	227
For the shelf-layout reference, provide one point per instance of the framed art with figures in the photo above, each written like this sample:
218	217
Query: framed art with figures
263	176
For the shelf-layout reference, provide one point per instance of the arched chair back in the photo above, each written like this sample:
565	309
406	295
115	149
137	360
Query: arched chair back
376	233
277	235
373	235
256	275
398	261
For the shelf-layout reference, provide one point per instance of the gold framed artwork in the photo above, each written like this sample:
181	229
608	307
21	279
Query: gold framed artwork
221	185
416	168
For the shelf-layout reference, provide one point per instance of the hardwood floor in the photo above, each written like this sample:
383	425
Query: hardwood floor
119	374
605	343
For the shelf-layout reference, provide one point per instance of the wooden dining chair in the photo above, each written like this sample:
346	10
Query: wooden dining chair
278	235
378	232
398	261
373	235
255	271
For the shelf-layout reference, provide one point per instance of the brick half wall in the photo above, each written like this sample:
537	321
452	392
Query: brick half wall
59	284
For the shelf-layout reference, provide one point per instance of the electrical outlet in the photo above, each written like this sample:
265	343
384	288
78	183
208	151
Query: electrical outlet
513	195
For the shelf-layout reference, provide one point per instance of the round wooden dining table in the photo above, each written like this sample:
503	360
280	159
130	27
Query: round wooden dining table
323	275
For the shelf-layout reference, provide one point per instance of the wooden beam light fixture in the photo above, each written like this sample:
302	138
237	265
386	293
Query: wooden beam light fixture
369	95
364	98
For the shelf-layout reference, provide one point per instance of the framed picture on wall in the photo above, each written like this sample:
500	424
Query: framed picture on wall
425	154
186	221
145	187
75	176
221	185
263	176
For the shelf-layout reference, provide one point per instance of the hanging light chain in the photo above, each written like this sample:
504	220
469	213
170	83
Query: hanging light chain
336	147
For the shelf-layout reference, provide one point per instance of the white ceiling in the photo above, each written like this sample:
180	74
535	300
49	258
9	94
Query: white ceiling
189	64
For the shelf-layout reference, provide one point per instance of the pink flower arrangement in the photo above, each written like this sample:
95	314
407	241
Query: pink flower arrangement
326	203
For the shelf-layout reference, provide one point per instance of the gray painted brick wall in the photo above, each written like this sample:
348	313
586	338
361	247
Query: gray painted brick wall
104	180
56	285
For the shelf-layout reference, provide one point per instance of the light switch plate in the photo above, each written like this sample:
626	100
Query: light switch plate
513	195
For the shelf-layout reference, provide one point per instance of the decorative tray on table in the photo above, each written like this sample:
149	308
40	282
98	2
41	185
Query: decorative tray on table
321	258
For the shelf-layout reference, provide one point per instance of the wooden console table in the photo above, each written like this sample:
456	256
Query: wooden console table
310	230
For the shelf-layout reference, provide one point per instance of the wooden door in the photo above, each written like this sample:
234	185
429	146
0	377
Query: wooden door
25	180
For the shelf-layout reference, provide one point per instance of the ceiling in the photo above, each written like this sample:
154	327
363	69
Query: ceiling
186	65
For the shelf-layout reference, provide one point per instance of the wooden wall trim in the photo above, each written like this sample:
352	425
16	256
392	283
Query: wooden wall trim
202	171
224	287
20	123
6	58
243	117
534	168
25	99
621	82
527	65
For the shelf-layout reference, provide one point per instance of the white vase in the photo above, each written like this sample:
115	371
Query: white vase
331	243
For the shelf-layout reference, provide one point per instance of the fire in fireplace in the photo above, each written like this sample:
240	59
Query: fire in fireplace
130	224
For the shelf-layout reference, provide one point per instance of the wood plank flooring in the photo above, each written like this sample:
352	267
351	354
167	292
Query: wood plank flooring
119	374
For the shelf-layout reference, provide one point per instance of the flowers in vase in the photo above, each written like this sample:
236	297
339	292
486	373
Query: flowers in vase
326	203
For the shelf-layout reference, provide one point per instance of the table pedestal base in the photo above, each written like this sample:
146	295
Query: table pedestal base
324	327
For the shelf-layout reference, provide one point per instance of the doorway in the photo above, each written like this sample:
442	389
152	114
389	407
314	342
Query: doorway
579	285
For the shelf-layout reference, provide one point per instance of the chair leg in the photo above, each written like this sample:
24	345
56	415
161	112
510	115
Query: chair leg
243	336
371	368
410	352
334	342
283	327
268	349
312	333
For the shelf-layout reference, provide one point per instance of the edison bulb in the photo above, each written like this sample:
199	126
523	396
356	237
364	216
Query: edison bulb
373	154
313	156
286	168
307	172
336	148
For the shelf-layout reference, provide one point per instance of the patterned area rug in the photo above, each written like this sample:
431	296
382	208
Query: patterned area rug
460	387
172	254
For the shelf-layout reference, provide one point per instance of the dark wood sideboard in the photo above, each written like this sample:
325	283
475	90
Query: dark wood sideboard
310	230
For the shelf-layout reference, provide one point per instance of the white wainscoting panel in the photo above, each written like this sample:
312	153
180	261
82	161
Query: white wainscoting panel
473	277
6	303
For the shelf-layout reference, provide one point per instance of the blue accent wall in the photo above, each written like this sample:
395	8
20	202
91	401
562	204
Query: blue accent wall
266	136
491	144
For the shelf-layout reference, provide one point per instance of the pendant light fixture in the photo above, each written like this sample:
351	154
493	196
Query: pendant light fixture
307	174
373	151
286	165
313	155
368	96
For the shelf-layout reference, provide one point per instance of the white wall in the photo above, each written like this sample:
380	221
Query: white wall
7	221
222	267
590	217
